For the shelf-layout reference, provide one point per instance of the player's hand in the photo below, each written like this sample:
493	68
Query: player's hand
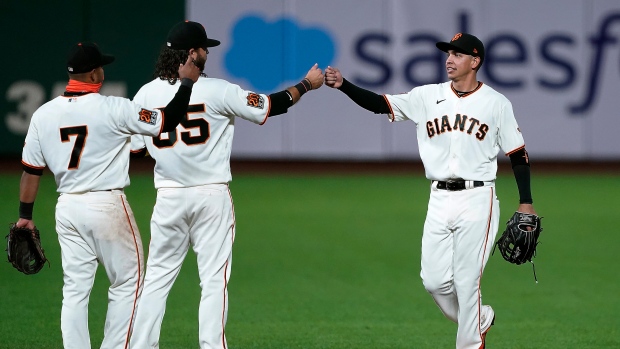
25	223
333	77
315	76
189	70
527	208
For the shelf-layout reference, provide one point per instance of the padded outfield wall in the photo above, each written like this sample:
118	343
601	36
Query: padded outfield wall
560	68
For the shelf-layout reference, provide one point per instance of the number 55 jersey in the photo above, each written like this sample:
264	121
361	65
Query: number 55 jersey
198	151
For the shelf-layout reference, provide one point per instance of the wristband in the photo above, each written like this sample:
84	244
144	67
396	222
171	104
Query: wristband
25	210
304	86
187	82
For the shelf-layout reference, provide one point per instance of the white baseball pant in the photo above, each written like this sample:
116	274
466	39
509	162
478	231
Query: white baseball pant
458	237
98	227
202	216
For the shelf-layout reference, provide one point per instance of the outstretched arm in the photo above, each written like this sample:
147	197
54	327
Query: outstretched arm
281	101
366	99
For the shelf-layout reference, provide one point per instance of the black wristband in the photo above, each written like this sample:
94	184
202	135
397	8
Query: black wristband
187	82
303	87
25	210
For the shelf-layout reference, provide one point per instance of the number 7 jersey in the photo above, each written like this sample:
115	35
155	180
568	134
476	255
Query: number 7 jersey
198	151
85	140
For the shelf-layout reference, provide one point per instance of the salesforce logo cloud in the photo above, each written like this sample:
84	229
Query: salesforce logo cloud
266	54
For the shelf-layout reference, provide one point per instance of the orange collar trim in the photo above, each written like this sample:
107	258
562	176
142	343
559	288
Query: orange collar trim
457	93
82	87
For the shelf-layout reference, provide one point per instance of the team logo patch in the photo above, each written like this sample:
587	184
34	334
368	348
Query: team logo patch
148	116
255	100
456	37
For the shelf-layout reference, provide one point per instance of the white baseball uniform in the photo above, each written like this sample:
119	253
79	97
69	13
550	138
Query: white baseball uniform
459	138
85	140
193	167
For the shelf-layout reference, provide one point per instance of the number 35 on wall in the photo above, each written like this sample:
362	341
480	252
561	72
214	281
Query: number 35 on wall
29	95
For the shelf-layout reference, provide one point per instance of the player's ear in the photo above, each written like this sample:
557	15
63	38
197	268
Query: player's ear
476	61
92	76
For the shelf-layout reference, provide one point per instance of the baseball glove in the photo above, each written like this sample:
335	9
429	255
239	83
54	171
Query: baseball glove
518	243
24	250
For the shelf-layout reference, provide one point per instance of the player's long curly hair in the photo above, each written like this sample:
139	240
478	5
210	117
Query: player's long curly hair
167	66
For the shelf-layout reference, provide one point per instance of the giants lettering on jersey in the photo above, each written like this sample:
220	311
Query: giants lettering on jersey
148	116
461	123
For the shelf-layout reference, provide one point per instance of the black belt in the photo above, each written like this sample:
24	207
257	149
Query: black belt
456	185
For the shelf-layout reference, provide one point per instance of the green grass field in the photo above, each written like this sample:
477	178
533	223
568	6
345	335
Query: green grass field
333	262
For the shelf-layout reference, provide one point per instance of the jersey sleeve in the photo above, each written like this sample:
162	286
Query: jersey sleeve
32	154
247	105
137	143
134	119
137	140
510	138
405	106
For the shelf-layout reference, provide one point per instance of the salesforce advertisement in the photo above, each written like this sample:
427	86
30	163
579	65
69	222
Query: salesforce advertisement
558	62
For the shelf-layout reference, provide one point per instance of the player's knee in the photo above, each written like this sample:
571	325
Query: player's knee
436	285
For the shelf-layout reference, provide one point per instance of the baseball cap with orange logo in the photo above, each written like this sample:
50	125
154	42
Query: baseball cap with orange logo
465	43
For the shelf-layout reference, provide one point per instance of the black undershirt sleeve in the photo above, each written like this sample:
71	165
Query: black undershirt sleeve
521	169
32	171
280	102
366	99
176	109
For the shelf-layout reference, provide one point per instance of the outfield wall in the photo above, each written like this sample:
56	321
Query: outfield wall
558	67
556	60
38	34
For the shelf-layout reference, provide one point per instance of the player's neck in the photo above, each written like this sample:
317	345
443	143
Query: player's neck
82	87
468	84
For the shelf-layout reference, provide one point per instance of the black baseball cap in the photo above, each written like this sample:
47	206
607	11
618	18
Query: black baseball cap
465	43
86	56
189	35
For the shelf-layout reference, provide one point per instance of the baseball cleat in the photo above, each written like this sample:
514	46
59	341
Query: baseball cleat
488	320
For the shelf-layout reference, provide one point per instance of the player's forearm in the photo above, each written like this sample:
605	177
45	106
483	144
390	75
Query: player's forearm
281	101
521	168
177	108
28	188
522	176
364	98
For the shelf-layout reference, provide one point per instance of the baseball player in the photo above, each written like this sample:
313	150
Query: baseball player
461	126
193	167
84	140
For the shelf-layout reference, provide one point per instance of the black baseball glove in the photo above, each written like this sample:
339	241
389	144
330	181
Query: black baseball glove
24	250
518	243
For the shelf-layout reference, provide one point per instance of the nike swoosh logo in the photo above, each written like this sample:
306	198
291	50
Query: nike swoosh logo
439	101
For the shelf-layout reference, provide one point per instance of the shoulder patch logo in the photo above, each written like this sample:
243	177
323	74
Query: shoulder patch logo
255	100
148	116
